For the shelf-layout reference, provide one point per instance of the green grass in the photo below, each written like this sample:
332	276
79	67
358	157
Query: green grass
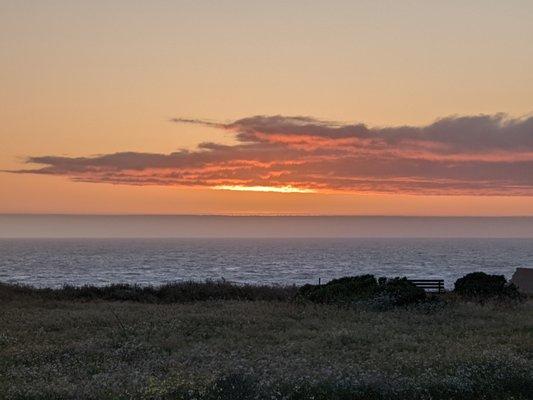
228	349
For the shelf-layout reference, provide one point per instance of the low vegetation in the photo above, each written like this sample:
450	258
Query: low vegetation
83	343
176	292
481	286
364	288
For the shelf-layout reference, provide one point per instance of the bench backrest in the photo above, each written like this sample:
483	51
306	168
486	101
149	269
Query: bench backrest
429	285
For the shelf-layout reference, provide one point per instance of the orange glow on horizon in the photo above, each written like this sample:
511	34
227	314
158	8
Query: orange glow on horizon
273	189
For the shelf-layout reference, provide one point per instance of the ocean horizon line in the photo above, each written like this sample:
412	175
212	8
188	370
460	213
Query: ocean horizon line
265	238
216	226
263	215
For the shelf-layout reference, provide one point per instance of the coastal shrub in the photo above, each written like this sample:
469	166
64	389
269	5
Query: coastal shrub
395	291
402	292
342	290
175	292
479	285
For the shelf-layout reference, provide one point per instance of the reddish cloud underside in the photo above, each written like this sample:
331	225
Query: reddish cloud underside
483	155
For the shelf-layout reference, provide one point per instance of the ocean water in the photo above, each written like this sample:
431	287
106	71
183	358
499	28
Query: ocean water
55	262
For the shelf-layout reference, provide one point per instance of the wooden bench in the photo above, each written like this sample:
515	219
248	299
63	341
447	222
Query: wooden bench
429	285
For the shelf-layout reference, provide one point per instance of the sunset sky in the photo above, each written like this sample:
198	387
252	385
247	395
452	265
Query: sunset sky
249	107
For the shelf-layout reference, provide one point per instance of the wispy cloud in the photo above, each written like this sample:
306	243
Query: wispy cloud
483	154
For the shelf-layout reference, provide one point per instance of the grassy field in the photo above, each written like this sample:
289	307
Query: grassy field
228	349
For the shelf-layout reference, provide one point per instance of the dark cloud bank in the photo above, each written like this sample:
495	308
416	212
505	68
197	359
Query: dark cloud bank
474	155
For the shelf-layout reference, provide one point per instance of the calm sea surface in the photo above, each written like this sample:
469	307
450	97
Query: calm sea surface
54	262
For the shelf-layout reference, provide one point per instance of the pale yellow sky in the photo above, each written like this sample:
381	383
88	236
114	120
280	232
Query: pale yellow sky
86	78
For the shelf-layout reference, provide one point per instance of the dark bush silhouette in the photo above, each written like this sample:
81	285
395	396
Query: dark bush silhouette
396	291
479	285
178	292
402	292
341	290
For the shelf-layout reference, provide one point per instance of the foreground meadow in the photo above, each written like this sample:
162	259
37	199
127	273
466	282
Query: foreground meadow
58	349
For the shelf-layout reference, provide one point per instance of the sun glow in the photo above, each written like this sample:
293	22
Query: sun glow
275	189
